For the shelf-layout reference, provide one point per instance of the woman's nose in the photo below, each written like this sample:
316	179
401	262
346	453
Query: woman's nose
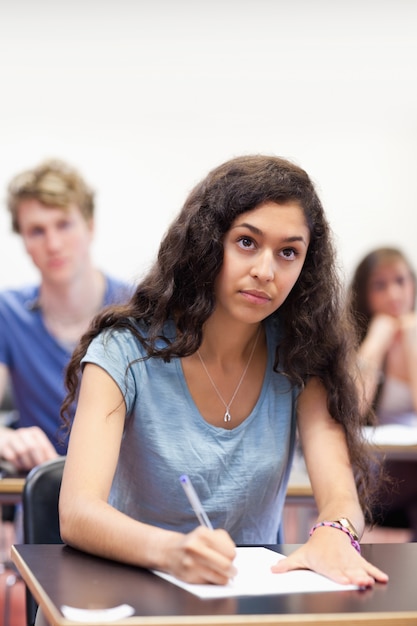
263	267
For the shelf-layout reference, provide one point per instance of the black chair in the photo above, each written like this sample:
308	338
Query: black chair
40	513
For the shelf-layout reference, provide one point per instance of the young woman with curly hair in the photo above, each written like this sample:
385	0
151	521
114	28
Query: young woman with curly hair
233	340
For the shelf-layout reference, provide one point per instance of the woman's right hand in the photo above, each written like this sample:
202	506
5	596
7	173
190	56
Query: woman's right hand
201	556
408	328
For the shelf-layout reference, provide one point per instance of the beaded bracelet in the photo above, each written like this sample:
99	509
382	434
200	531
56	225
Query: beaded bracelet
353	541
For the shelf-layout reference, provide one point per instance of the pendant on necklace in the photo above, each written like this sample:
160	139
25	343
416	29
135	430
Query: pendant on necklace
227	416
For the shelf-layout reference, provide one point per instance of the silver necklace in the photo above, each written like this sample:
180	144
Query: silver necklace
227	417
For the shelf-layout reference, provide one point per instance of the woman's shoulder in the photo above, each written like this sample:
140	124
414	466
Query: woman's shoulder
131	335
124	331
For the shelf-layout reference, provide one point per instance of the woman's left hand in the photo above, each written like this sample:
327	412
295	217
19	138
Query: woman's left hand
330	553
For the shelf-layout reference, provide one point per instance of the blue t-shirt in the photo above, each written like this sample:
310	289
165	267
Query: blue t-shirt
36	360
240	475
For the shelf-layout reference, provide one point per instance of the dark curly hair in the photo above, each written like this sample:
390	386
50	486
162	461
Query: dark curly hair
180	285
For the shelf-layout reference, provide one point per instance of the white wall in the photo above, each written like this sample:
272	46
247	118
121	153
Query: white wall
145	96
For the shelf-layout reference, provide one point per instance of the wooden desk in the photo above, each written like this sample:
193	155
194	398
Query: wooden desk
300	508
299	489
398	453
58	575
11	490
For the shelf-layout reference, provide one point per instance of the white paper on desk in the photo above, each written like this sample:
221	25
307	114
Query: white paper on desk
92	616
391	435
254	577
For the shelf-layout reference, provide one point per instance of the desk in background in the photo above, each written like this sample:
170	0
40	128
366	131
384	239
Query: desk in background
11	490
300	507
299	487
58	575
300	510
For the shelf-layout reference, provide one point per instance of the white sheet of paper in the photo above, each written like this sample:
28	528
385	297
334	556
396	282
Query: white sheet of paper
254	577
391	435
97	615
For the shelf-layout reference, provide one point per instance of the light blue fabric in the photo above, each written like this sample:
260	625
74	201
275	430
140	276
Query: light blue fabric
36	360
240	475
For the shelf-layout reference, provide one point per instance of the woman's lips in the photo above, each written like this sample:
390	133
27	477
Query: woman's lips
256	297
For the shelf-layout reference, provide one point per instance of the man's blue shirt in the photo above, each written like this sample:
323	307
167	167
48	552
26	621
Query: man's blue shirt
37	360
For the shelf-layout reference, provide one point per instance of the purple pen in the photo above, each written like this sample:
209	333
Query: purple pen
194	500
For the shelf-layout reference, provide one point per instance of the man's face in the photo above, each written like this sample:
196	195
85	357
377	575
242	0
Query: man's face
58	240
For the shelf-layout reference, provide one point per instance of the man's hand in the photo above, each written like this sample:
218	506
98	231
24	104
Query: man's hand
25	447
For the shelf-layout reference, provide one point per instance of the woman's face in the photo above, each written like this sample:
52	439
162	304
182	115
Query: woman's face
391	289
264	252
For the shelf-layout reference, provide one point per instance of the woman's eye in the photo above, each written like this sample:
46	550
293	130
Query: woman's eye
289	253
245	242
378	286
